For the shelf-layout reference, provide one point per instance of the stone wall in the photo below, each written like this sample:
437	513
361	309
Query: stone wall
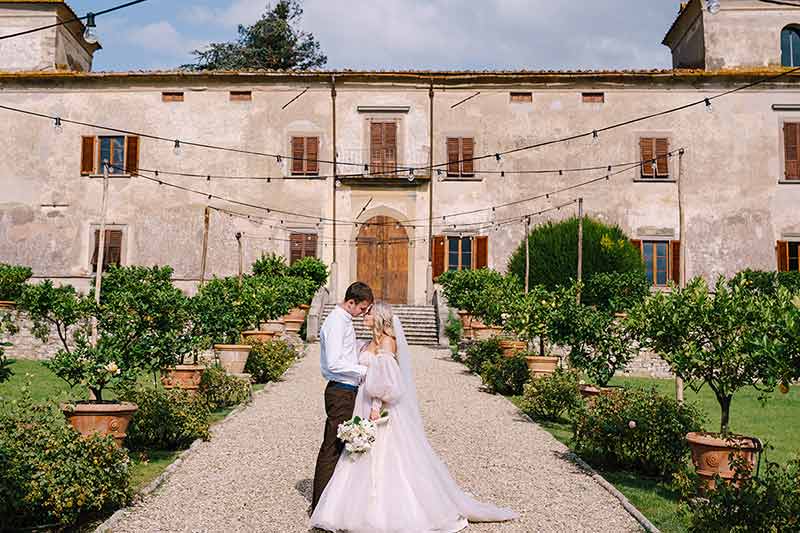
26	346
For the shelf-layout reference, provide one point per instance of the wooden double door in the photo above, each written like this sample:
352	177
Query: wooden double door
382	257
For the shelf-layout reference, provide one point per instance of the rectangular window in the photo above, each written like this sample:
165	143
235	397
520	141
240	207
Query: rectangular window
655	255
172	96
794	256
305	152
241	96
121	153
459	256
112	254
460	151
302	245
594	98
655	157
112	150
522	97
383	148
791	150
458	253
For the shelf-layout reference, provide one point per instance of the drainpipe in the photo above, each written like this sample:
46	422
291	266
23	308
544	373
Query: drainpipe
429	281
334	270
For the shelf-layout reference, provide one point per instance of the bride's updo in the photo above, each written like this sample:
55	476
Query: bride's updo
382	321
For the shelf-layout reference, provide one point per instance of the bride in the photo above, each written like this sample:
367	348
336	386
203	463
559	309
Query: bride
400	485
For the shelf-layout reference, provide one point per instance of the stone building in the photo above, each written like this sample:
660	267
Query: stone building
733	173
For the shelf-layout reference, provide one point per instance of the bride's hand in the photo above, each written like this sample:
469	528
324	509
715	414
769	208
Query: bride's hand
374	415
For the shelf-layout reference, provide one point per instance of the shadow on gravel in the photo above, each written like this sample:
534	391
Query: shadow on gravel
305	487
570	457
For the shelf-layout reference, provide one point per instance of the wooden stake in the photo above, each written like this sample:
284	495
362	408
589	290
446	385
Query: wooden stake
241	258
527	254
682	266
206	222
101	248
580	245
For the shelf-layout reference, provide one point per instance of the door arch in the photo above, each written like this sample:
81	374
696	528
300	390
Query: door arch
382	258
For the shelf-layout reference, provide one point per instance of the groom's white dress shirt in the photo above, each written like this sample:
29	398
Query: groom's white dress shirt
338	349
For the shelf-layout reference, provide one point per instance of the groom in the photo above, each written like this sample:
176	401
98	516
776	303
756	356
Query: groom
339	362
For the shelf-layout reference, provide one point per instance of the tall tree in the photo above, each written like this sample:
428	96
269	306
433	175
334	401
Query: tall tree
274	42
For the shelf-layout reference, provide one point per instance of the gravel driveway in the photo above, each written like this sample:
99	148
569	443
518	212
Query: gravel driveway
255	474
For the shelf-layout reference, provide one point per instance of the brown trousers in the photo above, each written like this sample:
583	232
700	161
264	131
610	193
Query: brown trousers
339	405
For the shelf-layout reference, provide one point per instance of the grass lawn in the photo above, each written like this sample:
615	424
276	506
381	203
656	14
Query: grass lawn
774	422
46	386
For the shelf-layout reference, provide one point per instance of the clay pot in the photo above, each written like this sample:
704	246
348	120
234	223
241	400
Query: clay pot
294	320
4	304
104	418
711	455
257	335
186	377
511	347
466	324
541	366
275	326
232	357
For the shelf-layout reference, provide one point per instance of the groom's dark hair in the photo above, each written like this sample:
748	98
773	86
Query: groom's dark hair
359	292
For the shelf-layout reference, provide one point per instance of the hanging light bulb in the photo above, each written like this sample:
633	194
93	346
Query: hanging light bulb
713	6
709	107
57	126
177	148
595	138
411	174
497	156
90	33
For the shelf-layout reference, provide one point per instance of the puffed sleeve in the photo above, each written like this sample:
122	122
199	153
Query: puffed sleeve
384	382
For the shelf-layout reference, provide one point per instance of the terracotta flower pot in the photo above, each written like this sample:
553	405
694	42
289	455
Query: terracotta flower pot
4	304
294	320
104	418
541	366
511	347
466	324
232	357
487	332
186	377
590	391
711	454
258	335
275	326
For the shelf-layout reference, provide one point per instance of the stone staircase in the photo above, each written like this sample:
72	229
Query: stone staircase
420	323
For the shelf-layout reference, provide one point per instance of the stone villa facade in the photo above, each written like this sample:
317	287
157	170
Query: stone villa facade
736	182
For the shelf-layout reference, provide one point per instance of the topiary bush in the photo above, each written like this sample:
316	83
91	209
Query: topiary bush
462	288
12	281
505	375
269	360
221	390
554	252
310	268
270	266
481	352
766	503
638	430
550	398
166	420
50	474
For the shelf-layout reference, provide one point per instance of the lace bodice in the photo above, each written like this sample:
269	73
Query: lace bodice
384	382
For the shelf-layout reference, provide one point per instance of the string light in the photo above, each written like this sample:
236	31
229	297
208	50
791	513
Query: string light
497	156
411	174
709	107
90	33
177	148
57	126
595	138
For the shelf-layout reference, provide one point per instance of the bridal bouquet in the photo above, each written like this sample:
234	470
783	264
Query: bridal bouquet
358	435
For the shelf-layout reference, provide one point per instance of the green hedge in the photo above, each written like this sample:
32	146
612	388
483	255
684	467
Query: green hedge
482	352
550	398
269	360
505	375
166	419
767	283
221	390
554	252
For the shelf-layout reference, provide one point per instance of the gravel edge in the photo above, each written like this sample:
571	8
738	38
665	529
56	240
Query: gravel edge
600	480
110	522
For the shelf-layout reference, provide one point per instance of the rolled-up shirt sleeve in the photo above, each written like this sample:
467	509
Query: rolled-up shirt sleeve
336	360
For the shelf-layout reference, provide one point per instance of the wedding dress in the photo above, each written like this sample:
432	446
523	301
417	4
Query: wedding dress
400	485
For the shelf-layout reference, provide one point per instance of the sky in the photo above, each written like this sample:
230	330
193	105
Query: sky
404	34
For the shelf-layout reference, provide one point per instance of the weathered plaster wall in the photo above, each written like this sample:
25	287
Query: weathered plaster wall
27	52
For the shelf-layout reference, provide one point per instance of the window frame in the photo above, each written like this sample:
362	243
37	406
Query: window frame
587	97
99	161
460	174
93	243
782	150
668	242
172	97
520	97
792	30
290	162
669	177
305	235
460	239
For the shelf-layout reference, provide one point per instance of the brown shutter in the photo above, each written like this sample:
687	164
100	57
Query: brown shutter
298	154
467	153
311	245
132	155
87	156
647	153
96	247
453	156
113	255
312	153
390	146
437	255
376	147
481	252
791	150
295	247
676	262
782	250
637	244
662	161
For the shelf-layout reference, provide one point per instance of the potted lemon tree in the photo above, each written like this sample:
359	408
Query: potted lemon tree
530	318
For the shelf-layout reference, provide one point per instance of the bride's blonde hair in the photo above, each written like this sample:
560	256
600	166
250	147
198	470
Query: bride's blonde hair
382	315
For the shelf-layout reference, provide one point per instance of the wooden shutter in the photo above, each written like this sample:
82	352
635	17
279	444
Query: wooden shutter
298	154
132	155
481	252
467	153
87	156
647	154
791	150
782	250
676	262
376	147
310	249
390	146
662	161
112	248
453	156
437	255
295	247
637	244
312	153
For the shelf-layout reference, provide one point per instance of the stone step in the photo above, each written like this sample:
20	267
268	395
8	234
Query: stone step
420	323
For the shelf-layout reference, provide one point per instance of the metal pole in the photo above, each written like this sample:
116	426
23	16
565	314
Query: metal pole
101	248
527	254
335	160
241	261
682	266
430	173
206	221
580	245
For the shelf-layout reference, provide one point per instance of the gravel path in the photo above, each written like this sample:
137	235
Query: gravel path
255	474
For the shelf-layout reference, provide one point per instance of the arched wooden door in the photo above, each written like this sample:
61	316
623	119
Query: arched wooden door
382	246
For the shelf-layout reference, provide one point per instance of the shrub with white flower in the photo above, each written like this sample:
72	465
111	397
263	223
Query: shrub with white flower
358	434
